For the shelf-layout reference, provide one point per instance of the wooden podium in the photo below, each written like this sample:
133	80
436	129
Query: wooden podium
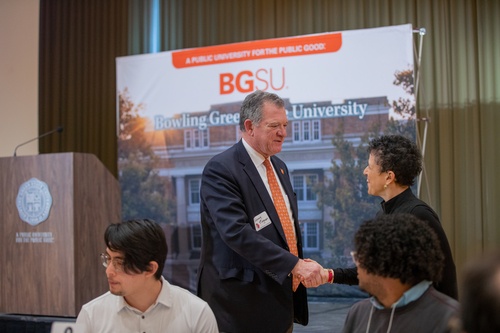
52	267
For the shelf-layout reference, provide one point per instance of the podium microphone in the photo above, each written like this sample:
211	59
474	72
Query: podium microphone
58	129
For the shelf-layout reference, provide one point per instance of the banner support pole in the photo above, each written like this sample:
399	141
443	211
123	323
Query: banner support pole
421	32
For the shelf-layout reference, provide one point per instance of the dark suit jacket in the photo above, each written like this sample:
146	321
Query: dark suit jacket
244	273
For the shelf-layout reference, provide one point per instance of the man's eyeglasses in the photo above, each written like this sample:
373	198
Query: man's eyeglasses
354	256
116	262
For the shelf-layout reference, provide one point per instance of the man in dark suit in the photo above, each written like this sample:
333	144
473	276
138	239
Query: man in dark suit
247	265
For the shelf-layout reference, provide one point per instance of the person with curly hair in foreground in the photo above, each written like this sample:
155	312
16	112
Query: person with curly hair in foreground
398	257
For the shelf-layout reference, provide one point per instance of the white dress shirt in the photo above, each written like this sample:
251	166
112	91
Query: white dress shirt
176	310
258	160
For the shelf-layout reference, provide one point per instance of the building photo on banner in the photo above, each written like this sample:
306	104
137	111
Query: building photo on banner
177	109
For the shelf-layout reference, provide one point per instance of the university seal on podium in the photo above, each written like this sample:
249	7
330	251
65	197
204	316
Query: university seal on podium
33	201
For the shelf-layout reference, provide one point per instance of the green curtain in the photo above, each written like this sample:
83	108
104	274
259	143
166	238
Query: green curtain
459	92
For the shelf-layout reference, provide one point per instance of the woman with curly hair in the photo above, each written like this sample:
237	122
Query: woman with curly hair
393	165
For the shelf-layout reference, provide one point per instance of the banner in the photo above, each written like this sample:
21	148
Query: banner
177	109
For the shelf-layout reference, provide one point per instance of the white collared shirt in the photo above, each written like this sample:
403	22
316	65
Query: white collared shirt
258	161
175	310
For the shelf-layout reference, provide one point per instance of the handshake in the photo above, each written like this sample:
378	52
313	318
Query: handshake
311	274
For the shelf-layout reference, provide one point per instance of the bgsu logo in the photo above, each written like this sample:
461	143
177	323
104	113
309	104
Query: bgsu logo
247	81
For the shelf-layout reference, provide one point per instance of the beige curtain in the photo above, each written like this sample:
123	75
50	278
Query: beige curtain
459	91
79	41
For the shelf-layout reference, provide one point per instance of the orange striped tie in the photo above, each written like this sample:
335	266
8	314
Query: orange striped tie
286	223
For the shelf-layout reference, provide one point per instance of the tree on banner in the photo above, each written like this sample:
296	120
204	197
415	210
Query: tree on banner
404	107
347	194
144	193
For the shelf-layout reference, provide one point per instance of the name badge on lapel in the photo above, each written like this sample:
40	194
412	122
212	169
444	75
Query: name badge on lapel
261	221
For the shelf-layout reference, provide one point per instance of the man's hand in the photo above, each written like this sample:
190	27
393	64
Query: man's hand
310	273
